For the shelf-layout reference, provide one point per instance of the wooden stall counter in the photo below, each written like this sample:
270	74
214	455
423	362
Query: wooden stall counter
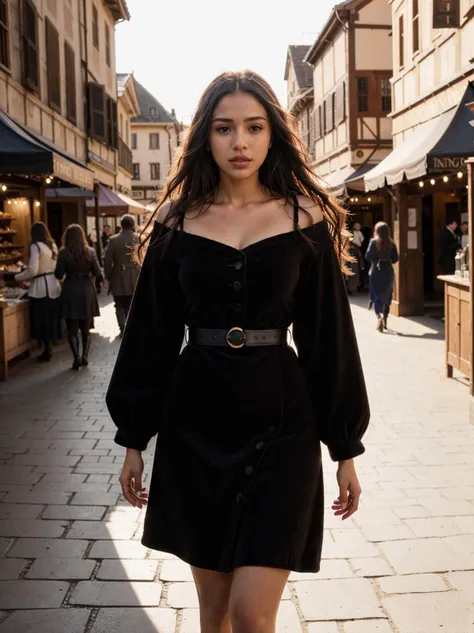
457	311
14	332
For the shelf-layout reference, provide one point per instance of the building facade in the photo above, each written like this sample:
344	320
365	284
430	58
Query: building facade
425	175
127	109
299	78
155	137
351	129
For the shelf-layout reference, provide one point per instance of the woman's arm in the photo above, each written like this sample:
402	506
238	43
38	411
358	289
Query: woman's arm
150	347
371	252
60	265
33	265
394	254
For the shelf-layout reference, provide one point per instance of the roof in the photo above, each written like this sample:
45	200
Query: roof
119	9
122	79
333	20
303	71
147	102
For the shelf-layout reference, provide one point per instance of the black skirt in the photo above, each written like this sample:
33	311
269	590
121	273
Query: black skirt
79	299
45	319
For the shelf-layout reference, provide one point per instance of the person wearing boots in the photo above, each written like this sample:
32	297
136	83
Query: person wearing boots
382	254
44	290
120	268
77	265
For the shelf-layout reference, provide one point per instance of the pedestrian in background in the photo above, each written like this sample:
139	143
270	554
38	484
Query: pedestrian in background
121	269
77	264
382	254
106	235
44	290
449	244
244	244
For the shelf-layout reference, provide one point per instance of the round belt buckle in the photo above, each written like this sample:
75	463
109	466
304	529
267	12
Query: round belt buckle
235	337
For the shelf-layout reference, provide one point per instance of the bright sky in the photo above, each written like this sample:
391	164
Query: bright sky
176	48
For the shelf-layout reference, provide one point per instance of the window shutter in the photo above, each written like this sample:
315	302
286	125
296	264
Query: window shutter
329	113
112	126
340	104
30	46
97	113
317	123
4	35
446	14
70	65
52	66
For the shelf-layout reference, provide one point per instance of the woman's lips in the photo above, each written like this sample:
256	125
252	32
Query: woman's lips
240	163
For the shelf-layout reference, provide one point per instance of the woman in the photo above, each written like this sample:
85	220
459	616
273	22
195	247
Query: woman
382	254
77	262
245	242
44	290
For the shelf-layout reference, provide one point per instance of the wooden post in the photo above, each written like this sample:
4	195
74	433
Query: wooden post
400	222
470	207
97	226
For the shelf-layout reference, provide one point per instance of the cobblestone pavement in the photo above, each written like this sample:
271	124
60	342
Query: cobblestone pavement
70	553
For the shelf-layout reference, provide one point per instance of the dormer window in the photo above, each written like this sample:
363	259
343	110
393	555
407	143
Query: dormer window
152	111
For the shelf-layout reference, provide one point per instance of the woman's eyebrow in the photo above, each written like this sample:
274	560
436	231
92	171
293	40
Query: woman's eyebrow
250	118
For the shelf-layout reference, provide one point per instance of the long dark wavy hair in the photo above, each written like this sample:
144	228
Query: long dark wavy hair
40	233
382	237
286	172
74	239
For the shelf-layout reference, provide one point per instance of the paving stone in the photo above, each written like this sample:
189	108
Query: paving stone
348	550
322	627
50	620
174	570
32	527
420	556
463	581
4	544
336	568
117	549
380	533
94	499
287	619
16	594
367	626
411	512
95	530
447	507
128	570
46	459
48	548
41	497
366	516
17	511
11	568
124	594
182	595
73	513
157	555
346	599
190	622
371	567
434	526
141	620
466	524
416	583
448	612
61	569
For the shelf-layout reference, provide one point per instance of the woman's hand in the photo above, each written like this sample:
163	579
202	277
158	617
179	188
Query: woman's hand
349	490
131	479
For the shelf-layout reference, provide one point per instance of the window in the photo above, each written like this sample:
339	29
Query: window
30	46
416	26
401	42
362	94
340	103
112	127
329	110
320	122
121	125
386	94
446	14
127	135
136	171
95	27
324	122
70	67
152	111
4	34
154	141
155	171
134	140
97	112
107	45
53	72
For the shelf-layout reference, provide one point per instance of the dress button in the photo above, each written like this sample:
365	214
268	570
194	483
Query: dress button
236	286
238	265
248	470
239	497
237	307
260	445
272	428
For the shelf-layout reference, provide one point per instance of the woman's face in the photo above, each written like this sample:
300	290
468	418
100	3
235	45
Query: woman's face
240	135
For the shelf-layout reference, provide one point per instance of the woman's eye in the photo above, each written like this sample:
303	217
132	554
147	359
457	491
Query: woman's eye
256	128
223	128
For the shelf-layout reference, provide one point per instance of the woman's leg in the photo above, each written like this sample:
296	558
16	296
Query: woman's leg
379	310
255	597
86	341
72	326
213	588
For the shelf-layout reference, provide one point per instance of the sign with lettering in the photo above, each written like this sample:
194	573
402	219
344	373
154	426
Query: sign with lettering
446	162
72	172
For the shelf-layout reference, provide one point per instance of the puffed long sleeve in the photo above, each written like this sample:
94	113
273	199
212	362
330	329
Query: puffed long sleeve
325	338
150	347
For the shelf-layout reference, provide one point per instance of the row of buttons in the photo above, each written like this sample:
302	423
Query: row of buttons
249	469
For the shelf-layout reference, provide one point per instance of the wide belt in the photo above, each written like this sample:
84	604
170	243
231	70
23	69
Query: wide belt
237	337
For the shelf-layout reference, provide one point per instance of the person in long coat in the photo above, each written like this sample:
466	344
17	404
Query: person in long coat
381	254
245	243
77	265
449	245
44	290
121	268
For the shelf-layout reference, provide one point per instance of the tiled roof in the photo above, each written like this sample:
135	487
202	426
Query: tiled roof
122	79
304	72
151	110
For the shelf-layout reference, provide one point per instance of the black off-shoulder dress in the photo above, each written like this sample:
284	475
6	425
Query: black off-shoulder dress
237	477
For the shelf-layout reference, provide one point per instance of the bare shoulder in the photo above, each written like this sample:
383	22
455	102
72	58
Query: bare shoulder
314	210
163	212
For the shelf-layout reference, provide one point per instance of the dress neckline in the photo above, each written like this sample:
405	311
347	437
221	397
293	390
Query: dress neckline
323	224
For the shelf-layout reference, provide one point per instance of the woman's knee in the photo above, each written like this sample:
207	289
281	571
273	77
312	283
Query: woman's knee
250	617
213	590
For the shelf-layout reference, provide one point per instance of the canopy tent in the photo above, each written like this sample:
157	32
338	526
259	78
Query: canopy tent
350	177
443	142
134	206
114	203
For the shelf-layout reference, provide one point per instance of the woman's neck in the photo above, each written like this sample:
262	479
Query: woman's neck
239	193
